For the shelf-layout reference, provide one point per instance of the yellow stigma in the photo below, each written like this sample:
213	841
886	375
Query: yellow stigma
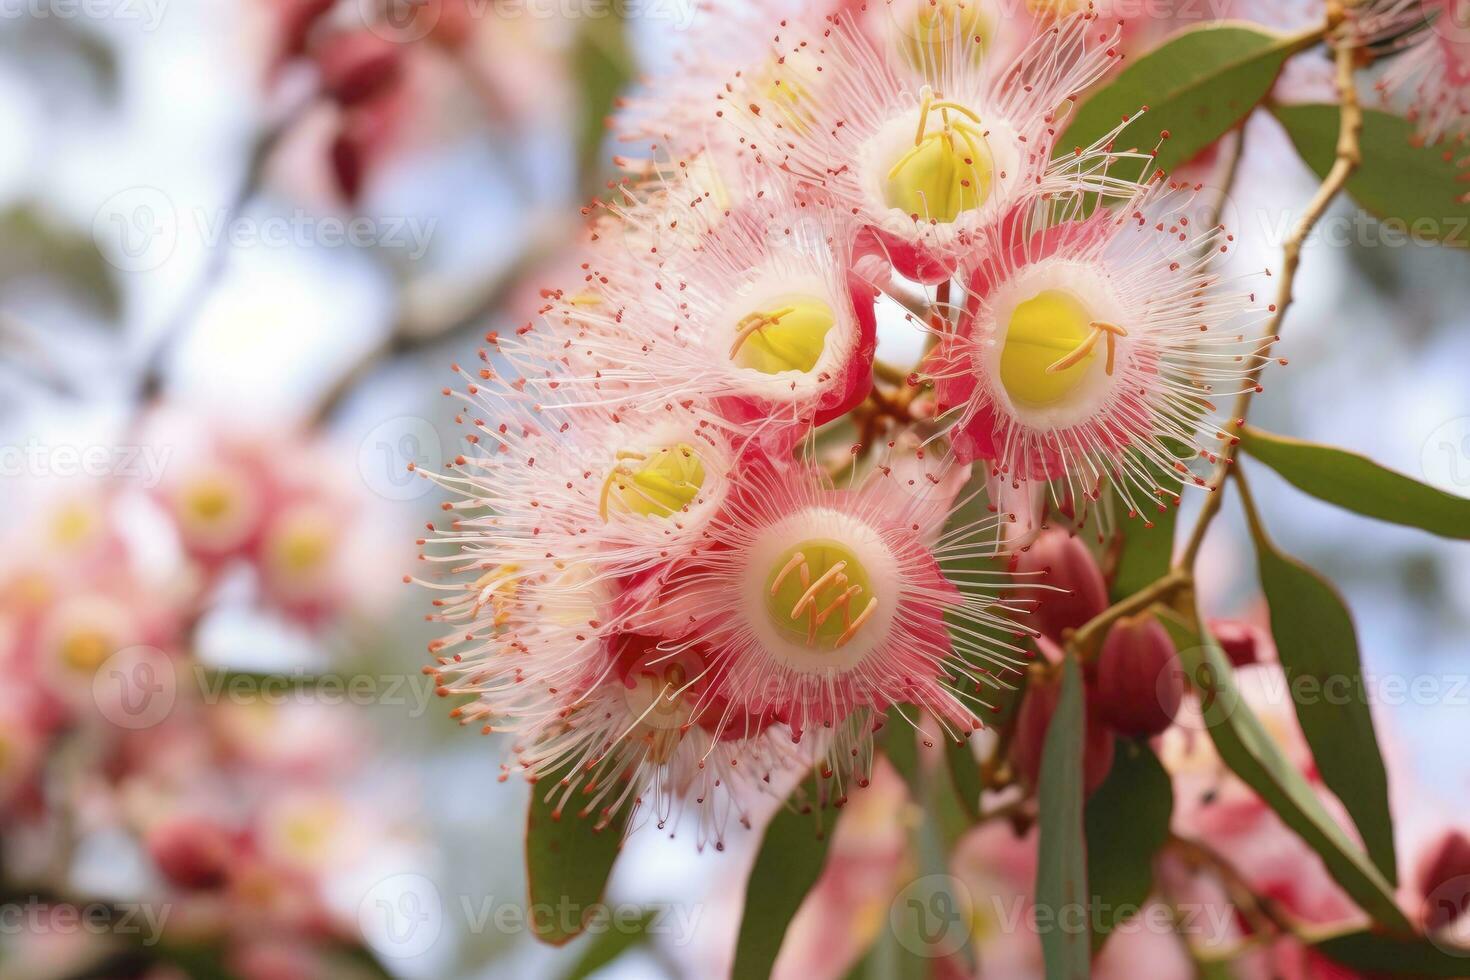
85	650
929	44
209	500
820	593
1050	345
786	85
303	548
73	524
948	170
500	587
657	484
789	338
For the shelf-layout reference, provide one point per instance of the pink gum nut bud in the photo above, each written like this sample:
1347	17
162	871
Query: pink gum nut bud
356	67
1238	640
1139	684
1029	741
192	853
1063	563
1444	880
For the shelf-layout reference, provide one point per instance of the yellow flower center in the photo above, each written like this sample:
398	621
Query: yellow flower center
73	524
948	170
657	484
303	547
1050	345
929	41
788	338
820	593
209	501
84	650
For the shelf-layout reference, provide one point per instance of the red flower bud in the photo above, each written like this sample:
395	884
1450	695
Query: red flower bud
1063	563
1139	683
1032	722
1444	880
1238	640
356	67
191	852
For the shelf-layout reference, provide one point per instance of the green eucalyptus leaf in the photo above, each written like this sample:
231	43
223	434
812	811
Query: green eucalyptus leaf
1126	823
1384	956
603	67
1197	85
610	945
792	854
1419	188
567	861
1061	876
1248	749
1318	647
1360	485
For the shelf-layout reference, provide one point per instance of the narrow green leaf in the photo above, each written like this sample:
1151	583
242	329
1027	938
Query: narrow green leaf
1126	823
964	776
898	741
1248	749
790	861
1318	648
1197	85
1419	188
609	946
1360	485
1146	554
890	959
1384	956
567	862
1061	875
603	68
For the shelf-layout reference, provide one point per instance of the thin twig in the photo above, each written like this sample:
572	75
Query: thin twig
150	382
406	337
1089	635
1345	163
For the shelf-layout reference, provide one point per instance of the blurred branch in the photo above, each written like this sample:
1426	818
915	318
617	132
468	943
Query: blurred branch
151	383
408	335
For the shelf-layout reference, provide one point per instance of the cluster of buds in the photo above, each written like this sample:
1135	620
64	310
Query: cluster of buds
654	572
